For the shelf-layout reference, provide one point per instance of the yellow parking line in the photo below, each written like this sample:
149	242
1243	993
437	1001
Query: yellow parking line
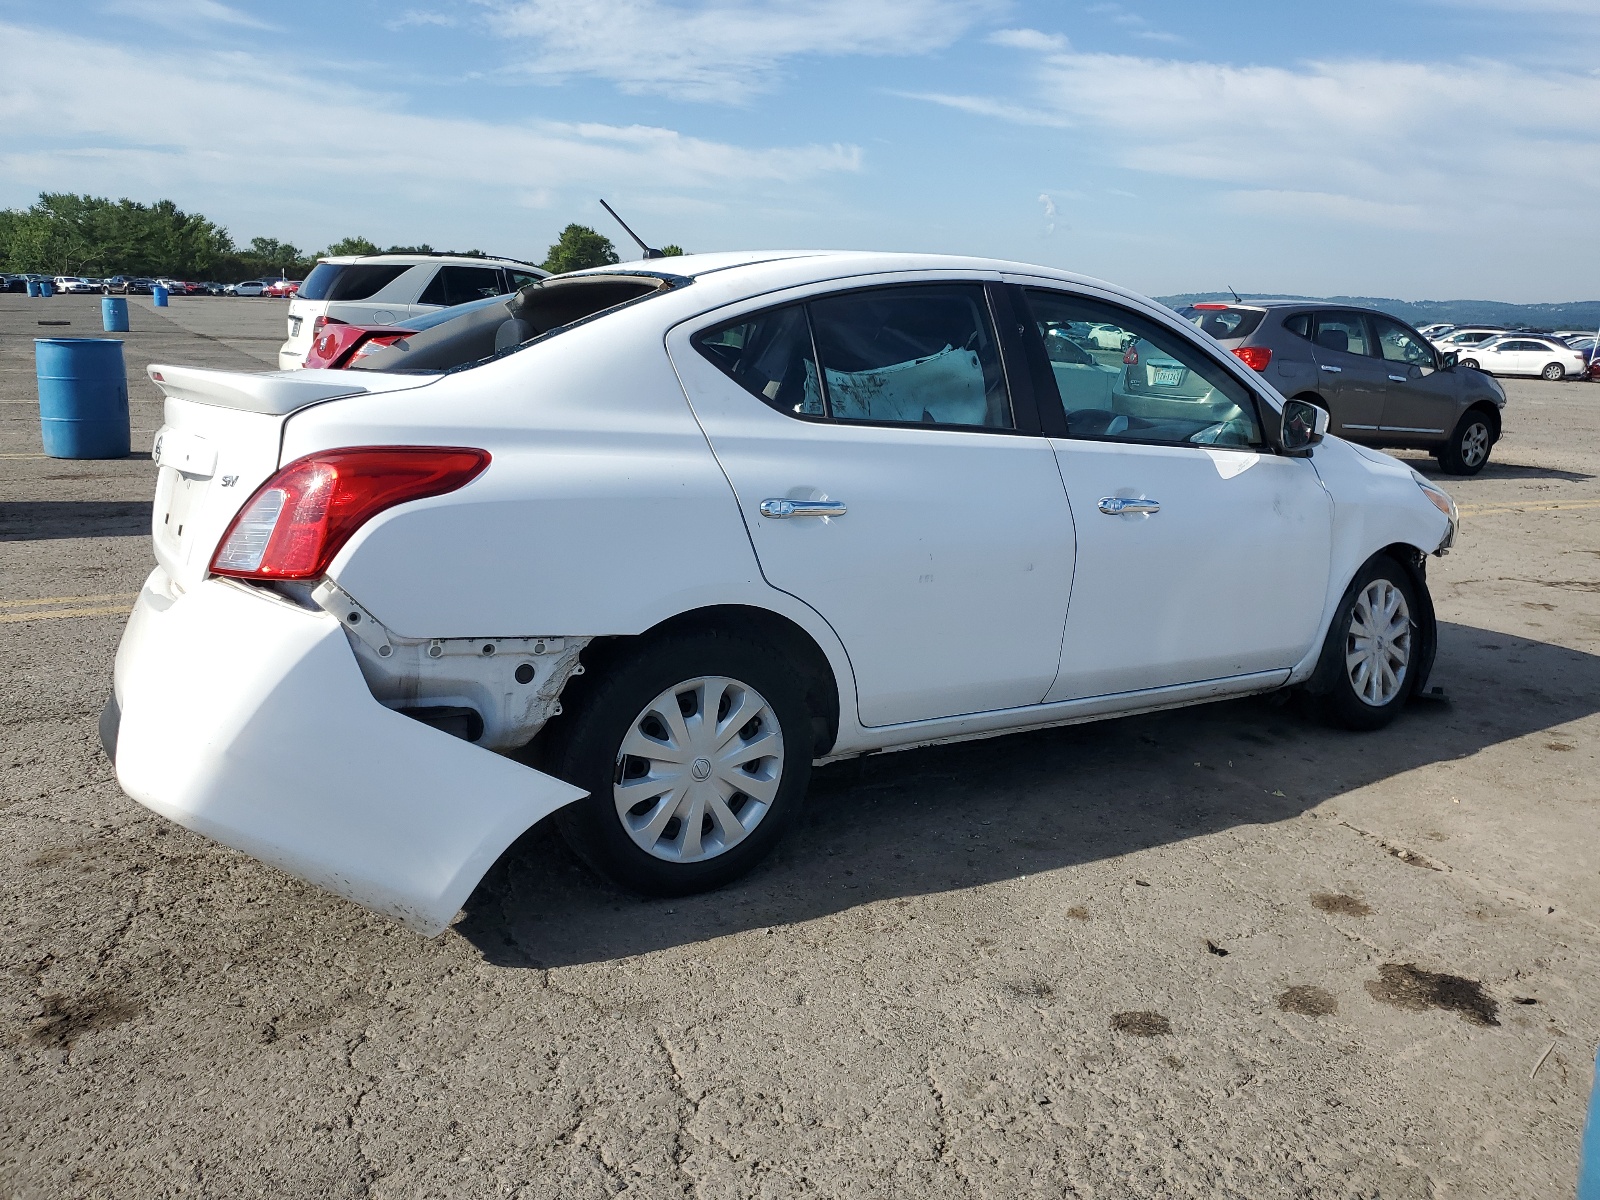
51	614
1484	510
68	600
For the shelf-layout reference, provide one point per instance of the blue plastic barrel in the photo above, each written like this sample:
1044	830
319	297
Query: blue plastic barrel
46	288
158	294
33	287
83	397
1589	1155
114	314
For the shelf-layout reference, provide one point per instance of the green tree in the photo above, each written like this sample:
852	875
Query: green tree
671	251
350	245
577	248
64	233
280	256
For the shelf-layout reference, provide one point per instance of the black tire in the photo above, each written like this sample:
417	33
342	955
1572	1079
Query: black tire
583	747
1553	372
1467	452
1332	693
1468	362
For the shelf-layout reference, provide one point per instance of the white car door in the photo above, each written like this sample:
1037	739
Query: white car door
891	489
1201	553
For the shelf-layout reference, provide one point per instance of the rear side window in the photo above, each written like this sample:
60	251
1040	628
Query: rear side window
1223	322
1344	332
349	281
457	285
518	280
916	355
1299	325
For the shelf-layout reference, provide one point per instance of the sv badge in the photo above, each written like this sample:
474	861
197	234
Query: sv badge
229	480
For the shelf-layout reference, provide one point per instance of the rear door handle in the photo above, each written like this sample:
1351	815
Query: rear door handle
1116	506
1398	378
782	510
1333	370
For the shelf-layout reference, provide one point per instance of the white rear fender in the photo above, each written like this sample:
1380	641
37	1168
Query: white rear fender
247	720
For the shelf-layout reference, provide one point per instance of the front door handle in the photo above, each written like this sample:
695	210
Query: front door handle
1332	370
1116	506
782	510
1399	378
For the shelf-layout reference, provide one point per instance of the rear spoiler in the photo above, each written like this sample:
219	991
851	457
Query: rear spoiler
275	392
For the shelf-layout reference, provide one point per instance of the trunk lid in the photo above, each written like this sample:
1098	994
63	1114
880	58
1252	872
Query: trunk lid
220	440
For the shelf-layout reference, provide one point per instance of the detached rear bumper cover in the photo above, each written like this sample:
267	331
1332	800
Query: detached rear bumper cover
248	721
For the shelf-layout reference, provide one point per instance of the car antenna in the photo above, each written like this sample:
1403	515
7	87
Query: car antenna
1231	292
649	251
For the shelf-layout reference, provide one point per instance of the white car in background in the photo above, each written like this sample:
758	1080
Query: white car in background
72	285
640	545
250	287
1522	354
386	289
1437	330
1464	338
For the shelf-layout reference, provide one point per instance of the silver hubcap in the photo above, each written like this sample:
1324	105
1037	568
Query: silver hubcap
1378	648
1475	444
699	769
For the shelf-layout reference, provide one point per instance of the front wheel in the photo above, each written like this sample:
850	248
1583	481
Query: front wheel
696	755
1467	451
1369	661
1469	362
1553	372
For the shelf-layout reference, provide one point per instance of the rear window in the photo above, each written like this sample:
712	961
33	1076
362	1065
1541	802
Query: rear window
1224	323
459	285
350	281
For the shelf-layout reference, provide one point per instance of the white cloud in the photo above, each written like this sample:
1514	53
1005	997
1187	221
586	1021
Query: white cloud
185	15
228	125
719	50
415	18
1029	39
1385	143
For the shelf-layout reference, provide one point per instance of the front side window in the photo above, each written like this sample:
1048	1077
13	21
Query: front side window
1143	382
1399	344
1343	332
914	355
458	285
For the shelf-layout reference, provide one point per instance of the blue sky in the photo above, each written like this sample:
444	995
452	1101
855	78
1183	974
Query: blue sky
1423	149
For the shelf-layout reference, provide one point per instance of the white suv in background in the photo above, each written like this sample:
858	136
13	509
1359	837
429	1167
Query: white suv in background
386	289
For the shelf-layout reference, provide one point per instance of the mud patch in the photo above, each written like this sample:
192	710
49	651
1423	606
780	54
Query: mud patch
1558	746
67	1018
1141	1024
1078	912
1308	1001
1340	904
1029	989
1405	985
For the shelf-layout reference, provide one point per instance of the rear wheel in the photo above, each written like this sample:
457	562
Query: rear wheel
696	755
1467	451
1469	362
1368	665
1553	371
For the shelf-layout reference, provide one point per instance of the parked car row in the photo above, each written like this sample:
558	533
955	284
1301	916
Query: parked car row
142	285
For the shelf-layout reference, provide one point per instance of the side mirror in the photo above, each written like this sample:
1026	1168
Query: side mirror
1304	425
1449	360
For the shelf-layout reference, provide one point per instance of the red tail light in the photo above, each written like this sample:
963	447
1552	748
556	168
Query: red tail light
1254	357
377	341
1130	356
319	323
301	517
1210	305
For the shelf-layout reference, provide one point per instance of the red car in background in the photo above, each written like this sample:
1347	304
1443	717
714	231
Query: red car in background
336	345
283	287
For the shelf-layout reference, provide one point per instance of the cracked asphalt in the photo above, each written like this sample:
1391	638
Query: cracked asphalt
1220	952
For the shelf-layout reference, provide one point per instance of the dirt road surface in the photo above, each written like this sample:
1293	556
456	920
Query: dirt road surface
1212	953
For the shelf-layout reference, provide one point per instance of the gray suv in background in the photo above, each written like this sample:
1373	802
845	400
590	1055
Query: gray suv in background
1382	382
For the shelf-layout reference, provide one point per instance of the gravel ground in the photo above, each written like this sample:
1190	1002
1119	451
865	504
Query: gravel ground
1219	953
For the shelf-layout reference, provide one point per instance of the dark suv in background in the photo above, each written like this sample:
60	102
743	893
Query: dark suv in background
1381	380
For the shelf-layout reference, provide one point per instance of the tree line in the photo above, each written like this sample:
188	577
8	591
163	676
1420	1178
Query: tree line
66	234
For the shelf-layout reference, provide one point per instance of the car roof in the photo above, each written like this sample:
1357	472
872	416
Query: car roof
417	259
755	271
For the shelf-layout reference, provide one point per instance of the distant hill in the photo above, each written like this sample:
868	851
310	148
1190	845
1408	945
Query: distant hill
1578	314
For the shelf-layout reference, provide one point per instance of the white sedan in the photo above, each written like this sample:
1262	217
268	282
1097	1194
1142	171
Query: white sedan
1520	354
640	545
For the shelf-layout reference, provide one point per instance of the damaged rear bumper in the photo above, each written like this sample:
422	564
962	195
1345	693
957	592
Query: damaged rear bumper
247	720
